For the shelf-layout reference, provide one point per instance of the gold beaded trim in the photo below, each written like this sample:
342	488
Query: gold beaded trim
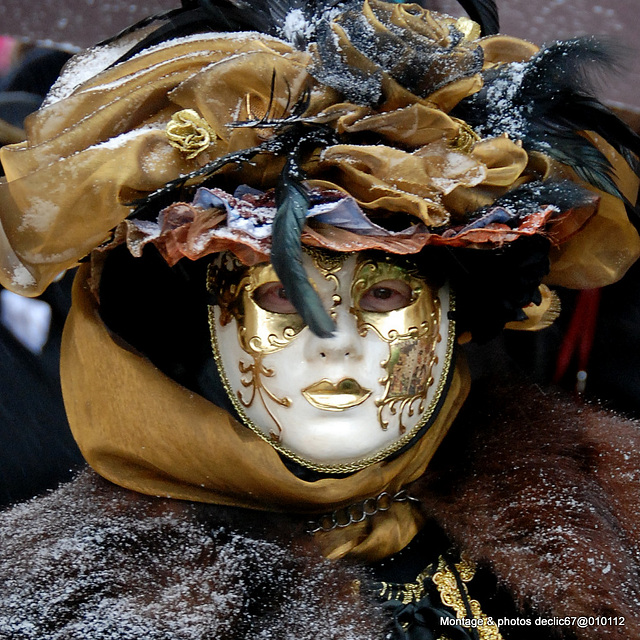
447	586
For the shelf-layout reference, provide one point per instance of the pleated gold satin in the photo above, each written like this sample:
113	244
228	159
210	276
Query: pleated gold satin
105	143
145	432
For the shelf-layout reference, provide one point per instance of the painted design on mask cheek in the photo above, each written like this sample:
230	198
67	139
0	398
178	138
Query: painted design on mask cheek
411	331
260	331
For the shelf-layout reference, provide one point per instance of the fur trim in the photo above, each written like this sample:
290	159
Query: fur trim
545	493
95	561
538	490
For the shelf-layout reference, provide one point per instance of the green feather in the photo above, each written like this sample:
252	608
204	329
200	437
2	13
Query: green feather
286	254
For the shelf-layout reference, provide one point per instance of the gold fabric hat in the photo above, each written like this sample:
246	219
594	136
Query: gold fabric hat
191	107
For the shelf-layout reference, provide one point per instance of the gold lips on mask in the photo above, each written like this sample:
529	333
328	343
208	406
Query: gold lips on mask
338	396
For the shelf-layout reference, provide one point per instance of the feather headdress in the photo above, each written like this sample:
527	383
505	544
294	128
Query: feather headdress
260	127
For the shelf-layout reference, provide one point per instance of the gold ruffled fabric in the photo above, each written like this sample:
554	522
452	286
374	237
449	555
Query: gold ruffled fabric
143	431
117	137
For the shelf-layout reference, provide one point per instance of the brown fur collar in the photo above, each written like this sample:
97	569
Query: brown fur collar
546	493
95	561
541	491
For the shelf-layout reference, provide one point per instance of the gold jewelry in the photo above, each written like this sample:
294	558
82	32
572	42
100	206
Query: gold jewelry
190	133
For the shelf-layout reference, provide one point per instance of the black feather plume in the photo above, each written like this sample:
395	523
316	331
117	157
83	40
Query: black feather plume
548	103
286	253
202	16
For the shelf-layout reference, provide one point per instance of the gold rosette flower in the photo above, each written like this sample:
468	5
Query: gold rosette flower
189	133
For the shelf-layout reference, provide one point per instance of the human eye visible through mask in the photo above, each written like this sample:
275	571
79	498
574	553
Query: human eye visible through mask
272	296
388	295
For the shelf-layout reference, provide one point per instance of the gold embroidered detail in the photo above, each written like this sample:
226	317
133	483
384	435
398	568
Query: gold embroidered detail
190	133
408	592
447	585
466	137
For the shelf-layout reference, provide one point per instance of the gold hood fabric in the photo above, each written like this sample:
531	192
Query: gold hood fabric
143	431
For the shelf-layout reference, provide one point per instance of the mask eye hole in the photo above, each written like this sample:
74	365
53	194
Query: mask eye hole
387	295
271	296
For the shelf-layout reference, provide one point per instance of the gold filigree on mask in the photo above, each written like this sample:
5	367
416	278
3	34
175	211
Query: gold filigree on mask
329	263
412	345
412	333
256	372
259	331
413	320
409	376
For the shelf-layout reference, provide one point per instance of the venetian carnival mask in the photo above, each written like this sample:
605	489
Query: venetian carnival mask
333	404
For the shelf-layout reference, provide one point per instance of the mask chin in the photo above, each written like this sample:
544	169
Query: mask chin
334	405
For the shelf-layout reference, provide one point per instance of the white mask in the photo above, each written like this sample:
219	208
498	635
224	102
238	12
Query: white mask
333	404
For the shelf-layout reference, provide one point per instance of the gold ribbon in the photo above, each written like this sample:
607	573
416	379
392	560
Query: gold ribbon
143	431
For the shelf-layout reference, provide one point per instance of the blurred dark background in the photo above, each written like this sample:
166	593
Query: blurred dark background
81	23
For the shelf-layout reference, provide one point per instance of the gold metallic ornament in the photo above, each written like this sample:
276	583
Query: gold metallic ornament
409	377
190	133
414	320
255	373
329	263
455	597
259	331
338	396
412	333
466	137
453	593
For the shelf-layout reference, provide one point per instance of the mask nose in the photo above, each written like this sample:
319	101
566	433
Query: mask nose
345	344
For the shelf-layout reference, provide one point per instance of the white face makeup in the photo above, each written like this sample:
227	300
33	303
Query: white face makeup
341	403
